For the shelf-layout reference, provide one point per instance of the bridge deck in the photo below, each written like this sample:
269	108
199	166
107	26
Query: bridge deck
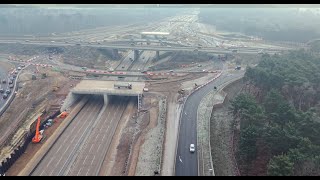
107	87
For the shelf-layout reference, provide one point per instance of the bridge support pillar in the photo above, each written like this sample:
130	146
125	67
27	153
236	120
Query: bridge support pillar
136	55
106	99
157	55
115	53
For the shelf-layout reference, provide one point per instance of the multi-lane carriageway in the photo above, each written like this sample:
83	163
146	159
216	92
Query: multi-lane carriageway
82	147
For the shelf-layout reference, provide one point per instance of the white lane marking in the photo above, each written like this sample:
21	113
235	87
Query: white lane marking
180	159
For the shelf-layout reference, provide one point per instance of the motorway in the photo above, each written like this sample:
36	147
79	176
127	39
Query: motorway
82	147
147	47
90	159
187	162
3	75
62	152
142	62
126	62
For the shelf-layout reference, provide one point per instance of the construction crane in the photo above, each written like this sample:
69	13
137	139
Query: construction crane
38	136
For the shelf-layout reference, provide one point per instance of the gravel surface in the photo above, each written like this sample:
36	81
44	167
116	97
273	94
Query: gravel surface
151	150
221	135
203	125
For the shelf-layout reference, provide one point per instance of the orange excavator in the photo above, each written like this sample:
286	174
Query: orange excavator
37	138
63	114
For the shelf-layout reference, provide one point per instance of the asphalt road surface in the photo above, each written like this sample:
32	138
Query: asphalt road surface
187	162
90	159
81	149
4	75
62	153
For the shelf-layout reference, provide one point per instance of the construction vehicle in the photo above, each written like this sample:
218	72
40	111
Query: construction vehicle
181	91
126	85
38	136
63	114
56	86
43	76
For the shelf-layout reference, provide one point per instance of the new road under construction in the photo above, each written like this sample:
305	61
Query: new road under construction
100	102
81	149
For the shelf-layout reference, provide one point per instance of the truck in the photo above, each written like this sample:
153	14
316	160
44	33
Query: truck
123	85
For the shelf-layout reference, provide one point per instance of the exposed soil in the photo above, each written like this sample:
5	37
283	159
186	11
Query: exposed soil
32	96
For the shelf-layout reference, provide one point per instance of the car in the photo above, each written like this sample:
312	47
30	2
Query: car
10	82
5	96
1	90
171	71
192	148
11	86
19	68
22	65
122	67
8	91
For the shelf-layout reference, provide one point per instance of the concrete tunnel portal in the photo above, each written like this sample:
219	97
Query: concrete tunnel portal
107	90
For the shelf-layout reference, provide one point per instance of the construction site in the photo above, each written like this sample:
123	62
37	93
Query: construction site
79	110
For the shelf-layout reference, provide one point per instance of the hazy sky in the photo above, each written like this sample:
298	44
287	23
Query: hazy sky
185	5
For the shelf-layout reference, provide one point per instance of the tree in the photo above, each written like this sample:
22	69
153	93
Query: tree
248	139
280	166
277	109
246	108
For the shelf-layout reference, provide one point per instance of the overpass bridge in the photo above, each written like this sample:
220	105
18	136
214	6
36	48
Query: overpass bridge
105	88
136	48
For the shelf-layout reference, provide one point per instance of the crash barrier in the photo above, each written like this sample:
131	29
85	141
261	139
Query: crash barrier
9	161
